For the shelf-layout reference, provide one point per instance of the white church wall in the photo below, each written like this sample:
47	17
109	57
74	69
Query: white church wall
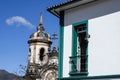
35	48
104	45
67	49
32	51
38	47
37	53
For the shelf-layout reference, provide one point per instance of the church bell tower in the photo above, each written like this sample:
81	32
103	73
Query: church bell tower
39	50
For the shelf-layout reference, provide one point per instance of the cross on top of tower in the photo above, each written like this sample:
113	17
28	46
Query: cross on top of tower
54	39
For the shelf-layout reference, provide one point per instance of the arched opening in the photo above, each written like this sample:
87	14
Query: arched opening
42	50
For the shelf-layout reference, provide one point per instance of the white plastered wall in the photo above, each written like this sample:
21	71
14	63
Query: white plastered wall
82	13
67	49
91	10
104	45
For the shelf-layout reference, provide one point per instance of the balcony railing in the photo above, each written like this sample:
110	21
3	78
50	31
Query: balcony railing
78	65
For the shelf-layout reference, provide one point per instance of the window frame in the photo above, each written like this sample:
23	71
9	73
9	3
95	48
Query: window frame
74	49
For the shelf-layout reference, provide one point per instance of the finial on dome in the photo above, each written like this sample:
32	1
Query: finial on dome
41	18
40	27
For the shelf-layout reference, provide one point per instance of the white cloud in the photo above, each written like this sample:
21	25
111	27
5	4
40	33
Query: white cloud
18	21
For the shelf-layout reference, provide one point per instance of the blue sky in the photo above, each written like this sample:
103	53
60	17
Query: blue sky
18	20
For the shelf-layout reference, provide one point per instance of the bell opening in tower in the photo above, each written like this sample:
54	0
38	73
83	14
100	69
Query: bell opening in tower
41	54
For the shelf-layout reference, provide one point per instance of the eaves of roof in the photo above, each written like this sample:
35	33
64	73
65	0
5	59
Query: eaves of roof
62	4
55	9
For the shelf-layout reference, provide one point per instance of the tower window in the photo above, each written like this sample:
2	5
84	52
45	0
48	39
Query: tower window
42	50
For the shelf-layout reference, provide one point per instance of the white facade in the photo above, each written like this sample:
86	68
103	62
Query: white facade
104	44
104	29
90	11
35	52
67	49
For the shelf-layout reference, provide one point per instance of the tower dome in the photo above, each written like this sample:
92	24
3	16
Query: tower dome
40	35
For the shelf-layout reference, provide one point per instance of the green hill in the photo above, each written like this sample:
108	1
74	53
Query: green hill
4	75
